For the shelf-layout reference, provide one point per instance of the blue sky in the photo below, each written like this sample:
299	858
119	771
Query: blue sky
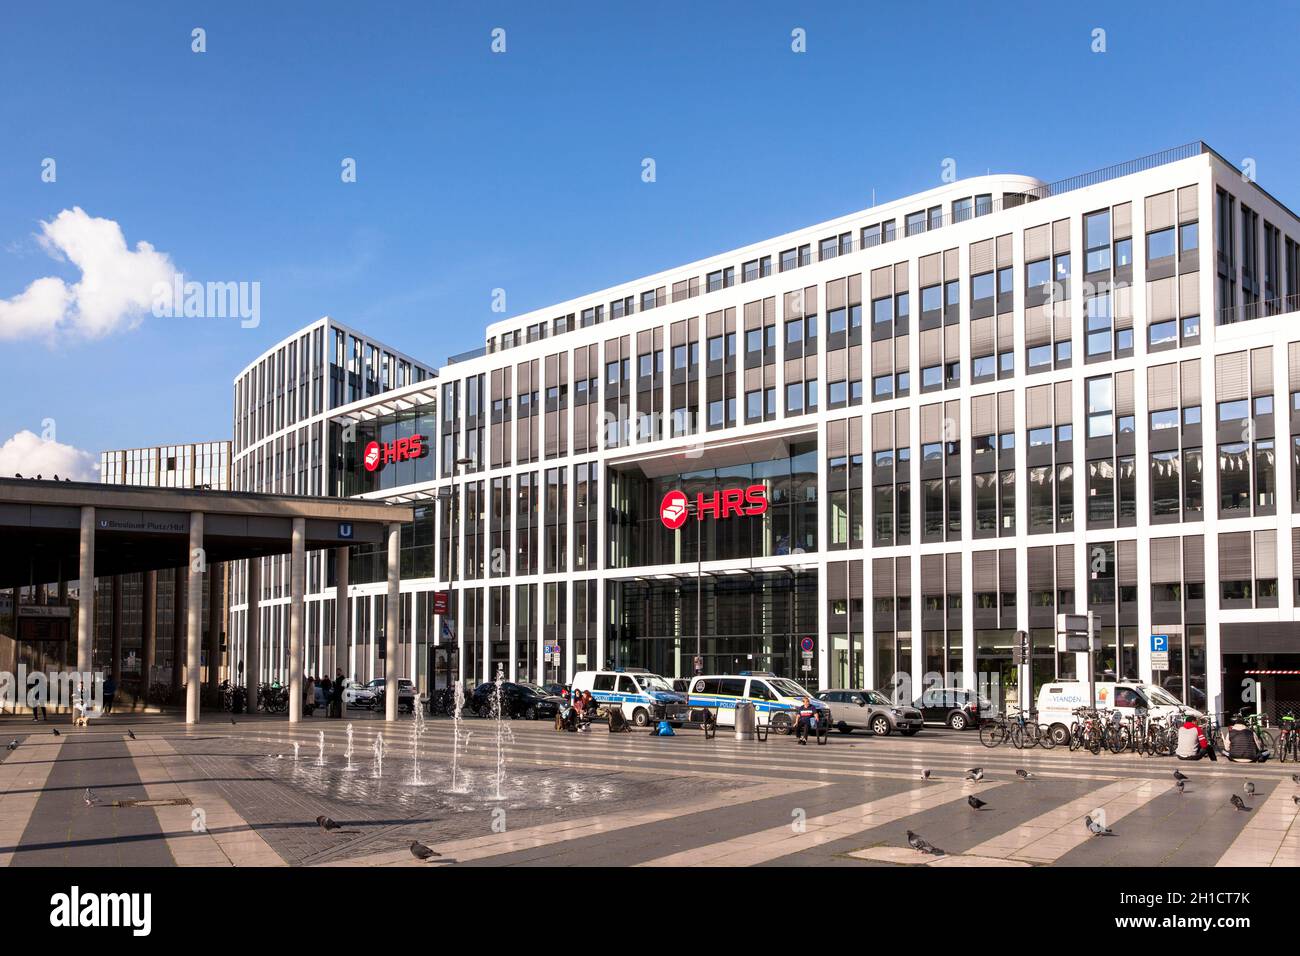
522	170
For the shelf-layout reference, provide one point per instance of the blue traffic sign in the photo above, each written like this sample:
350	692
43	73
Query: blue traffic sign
806	645
1159	643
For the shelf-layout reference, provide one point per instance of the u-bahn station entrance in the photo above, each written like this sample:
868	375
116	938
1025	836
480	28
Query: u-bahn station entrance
57	532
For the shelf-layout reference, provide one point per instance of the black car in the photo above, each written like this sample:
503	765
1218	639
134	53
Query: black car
954	706
517	701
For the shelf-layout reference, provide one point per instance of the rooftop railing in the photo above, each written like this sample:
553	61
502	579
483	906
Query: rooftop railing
900	228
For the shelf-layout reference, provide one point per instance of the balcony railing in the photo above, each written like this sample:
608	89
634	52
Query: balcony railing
1261	309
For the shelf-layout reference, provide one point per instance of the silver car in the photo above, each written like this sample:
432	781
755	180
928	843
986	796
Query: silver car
868	710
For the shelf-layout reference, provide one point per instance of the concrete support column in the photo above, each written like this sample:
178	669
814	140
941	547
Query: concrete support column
393	608
86	600
297	587
216	589
342	612
193	617
178	629
115	633
253	630
148	632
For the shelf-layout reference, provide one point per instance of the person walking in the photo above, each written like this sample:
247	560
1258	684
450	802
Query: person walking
309	696
336	702
110	691
36	698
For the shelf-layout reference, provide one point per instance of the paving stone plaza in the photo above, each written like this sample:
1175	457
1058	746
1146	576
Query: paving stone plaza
249	794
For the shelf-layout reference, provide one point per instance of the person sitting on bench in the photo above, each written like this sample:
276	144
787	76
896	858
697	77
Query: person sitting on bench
806	722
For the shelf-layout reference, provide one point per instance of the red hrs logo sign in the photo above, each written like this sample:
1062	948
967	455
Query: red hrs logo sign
675	509
379	454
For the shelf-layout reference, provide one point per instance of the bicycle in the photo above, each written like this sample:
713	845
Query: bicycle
1087	731
1288	740
1017	729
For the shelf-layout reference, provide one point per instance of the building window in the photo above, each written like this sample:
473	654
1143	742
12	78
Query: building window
1096	236
1100	408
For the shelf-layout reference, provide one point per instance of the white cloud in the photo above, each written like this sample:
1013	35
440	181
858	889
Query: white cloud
29	455
115	291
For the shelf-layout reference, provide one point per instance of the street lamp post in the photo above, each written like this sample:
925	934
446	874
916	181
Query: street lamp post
449	494
692	510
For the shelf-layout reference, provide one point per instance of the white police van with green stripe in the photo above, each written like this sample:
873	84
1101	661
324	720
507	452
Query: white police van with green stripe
776	700
642	696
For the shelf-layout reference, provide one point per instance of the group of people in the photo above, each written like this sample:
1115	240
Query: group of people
331	694
1243	742
577	711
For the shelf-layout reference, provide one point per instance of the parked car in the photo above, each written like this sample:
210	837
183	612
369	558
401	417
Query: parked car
357	695
957	707
405	695
518	700
554	689
863	709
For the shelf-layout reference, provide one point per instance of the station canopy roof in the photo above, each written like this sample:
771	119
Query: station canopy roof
146	528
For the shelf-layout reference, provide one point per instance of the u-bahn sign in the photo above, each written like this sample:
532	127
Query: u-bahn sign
379	454
738	502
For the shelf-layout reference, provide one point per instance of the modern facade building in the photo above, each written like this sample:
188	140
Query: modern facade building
873	447
197	465
284	400
142	614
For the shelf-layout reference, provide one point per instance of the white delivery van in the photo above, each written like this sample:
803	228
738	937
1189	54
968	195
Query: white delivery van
776	700
1058	700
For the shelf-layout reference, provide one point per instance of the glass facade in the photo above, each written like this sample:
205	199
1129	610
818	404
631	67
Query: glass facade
638	538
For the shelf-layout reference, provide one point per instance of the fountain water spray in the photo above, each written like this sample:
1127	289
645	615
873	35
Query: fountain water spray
502	732
457	740
378	766
295	751
348	753
417	731
320	749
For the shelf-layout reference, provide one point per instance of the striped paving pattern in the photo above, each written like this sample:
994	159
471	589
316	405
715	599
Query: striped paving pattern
849	803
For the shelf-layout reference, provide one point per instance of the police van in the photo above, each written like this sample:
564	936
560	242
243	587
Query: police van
776	700
642	696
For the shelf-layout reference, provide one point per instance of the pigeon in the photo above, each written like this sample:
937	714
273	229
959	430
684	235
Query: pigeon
130	733
55	731
232	721
922	845
1179	775
1095	828
975	773
13	744
325	823
422	852
90	798
1239	803
925	775
976	803
1025	775
1249	788
1295	778
1295	800
1180	784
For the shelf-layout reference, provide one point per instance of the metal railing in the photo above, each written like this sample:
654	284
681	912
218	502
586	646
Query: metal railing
901	230
1261	309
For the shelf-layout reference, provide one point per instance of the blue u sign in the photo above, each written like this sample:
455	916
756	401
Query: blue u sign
1159	643
345	530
